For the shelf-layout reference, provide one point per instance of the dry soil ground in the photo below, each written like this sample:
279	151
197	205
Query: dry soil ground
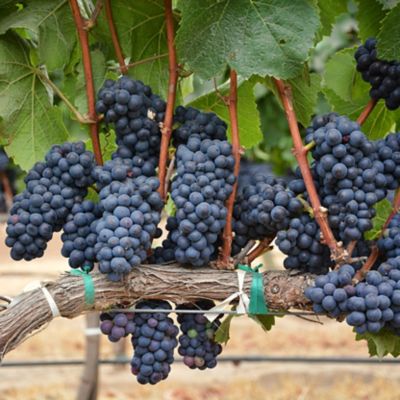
64	339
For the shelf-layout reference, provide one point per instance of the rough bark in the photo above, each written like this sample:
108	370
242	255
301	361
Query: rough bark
30	311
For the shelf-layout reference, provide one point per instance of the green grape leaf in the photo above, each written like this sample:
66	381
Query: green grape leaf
50	23
329	10
142	34
92	195
382	343
305	89
26	106
389	36
383	210
254	38
305	94
170	207
340	73
222	335
369	16
348	94
265	321
248	115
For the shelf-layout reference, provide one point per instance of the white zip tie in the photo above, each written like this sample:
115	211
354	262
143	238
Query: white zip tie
244	300
51	302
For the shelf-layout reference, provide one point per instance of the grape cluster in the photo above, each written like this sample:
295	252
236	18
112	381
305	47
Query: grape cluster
249	169
262	208
79	235
196	344
301	242
389	243
117	325
130	214
136	114
52	189
194	122
382	75
332	290
349	174
154	341
370	305
388	150
199	190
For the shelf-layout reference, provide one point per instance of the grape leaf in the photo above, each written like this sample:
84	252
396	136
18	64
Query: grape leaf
222	334
369	17
48	22
382	343
255	38
141	31
329	10
26	106
265	321
92	195
348	94
389	36
383	210
305	89
248	115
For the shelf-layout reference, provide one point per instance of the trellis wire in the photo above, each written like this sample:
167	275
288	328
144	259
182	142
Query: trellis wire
225	312
222	359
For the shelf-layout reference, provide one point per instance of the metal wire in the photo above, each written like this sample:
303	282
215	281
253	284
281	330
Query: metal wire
222	359
225	312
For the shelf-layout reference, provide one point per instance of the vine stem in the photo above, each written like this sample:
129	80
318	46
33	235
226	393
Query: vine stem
87	67
146	60
339	254
79	117
224	259
360	274
114	38
171	96
367	111
375	251
91	22
262	247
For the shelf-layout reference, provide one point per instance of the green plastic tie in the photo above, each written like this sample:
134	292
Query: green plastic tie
258	305
88	283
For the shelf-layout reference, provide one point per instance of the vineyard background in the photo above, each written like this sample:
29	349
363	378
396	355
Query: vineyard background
64	340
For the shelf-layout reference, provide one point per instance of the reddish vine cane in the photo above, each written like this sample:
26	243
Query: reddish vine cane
367	111
90	91
114	38
224	261
339	254
169	112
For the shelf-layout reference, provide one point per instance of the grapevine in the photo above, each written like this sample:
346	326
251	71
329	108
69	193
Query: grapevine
149	160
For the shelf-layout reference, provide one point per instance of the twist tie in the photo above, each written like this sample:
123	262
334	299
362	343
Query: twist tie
52	304
258	305
243	299
88	284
